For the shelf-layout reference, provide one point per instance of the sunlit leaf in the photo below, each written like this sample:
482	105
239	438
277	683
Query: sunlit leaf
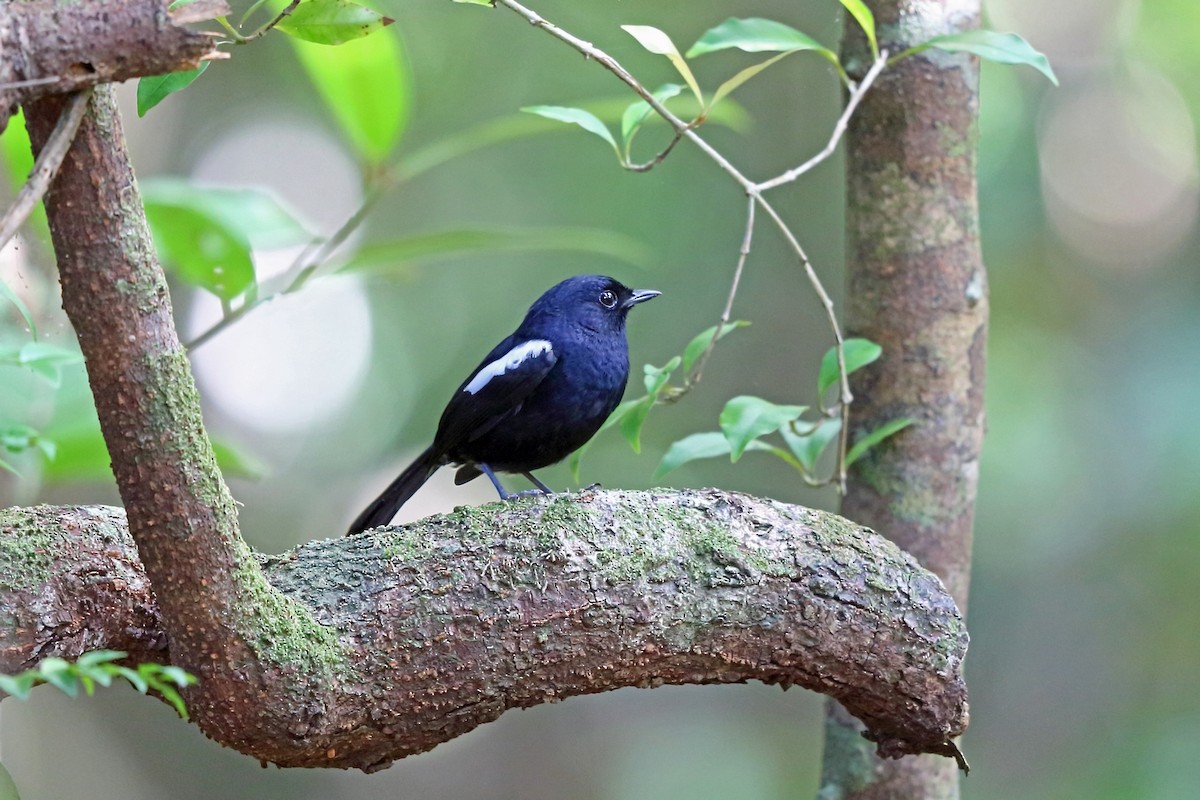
153	89
859	353
866	20
256	213
94	657
201	248
1004	48
577	116
866	442
397	255
746	418
659	43
365	85
332	22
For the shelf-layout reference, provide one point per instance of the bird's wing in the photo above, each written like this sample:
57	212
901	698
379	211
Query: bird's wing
496	389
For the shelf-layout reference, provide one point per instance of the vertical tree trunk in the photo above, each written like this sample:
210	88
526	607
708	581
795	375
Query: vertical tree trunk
916	285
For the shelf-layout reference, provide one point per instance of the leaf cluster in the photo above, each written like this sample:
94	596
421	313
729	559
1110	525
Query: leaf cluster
98	668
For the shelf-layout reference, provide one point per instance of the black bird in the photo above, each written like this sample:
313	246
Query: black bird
536	398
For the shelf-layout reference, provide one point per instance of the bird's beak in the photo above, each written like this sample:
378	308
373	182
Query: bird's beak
640	296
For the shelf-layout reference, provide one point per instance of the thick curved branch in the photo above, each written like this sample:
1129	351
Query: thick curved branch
439	626
50	47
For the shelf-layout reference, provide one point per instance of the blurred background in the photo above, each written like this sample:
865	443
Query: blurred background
1085	651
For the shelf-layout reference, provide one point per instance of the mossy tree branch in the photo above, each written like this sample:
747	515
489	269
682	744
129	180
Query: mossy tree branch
50	47
426	631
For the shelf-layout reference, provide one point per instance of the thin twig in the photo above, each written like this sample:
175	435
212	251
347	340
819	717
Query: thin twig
658	159
743	254
46	166
839	129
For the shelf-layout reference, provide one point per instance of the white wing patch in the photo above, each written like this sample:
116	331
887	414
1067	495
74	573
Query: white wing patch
514	358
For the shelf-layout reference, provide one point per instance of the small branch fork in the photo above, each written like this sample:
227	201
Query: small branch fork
752	189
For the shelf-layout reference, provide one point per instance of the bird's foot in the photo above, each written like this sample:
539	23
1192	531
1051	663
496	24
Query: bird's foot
528	493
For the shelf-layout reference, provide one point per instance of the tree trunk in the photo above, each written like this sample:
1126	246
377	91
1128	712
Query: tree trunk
917	286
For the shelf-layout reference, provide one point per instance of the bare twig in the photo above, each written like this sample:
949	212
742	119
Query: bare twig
857	92
46	166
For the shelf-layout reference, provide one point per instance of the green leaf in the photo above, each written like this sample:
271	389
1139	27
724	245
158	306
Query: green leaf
866	20
175	675
659	43
57	672
859	353
257	214
737	80
398	254
746	418
1004	48
94	657
135	680
22	309
21	684
201	248
699	344
636	113
153	89
697	446
238	463
46	359
631	422
809	446
577	116
8	787
517	126
365	85
618	413
866	442
655	378
756	35
332	22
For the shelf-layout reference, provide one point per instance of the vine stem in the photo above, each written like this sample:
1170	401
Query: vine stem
753	190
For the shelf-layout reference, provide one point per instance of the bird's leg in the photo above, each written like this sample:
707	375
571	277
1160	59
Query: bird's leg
545	489
486	470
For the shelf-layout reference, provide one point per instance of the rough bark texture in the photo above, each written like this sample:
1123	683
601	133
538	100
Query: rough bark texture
917	286
85	44
439	626
210	591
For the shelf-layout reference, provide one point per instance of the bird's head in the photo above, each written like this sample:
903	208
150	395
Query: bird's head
592	301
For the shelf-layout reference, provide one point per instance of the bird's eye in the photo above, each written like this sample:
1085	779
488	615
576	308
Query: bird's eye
608	299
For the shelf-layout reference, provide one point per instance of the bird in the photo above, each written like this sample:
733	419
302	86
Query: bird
538	396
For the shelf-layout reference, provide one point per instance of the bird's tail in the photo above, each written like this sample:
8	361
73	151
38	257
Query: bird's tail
384	507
